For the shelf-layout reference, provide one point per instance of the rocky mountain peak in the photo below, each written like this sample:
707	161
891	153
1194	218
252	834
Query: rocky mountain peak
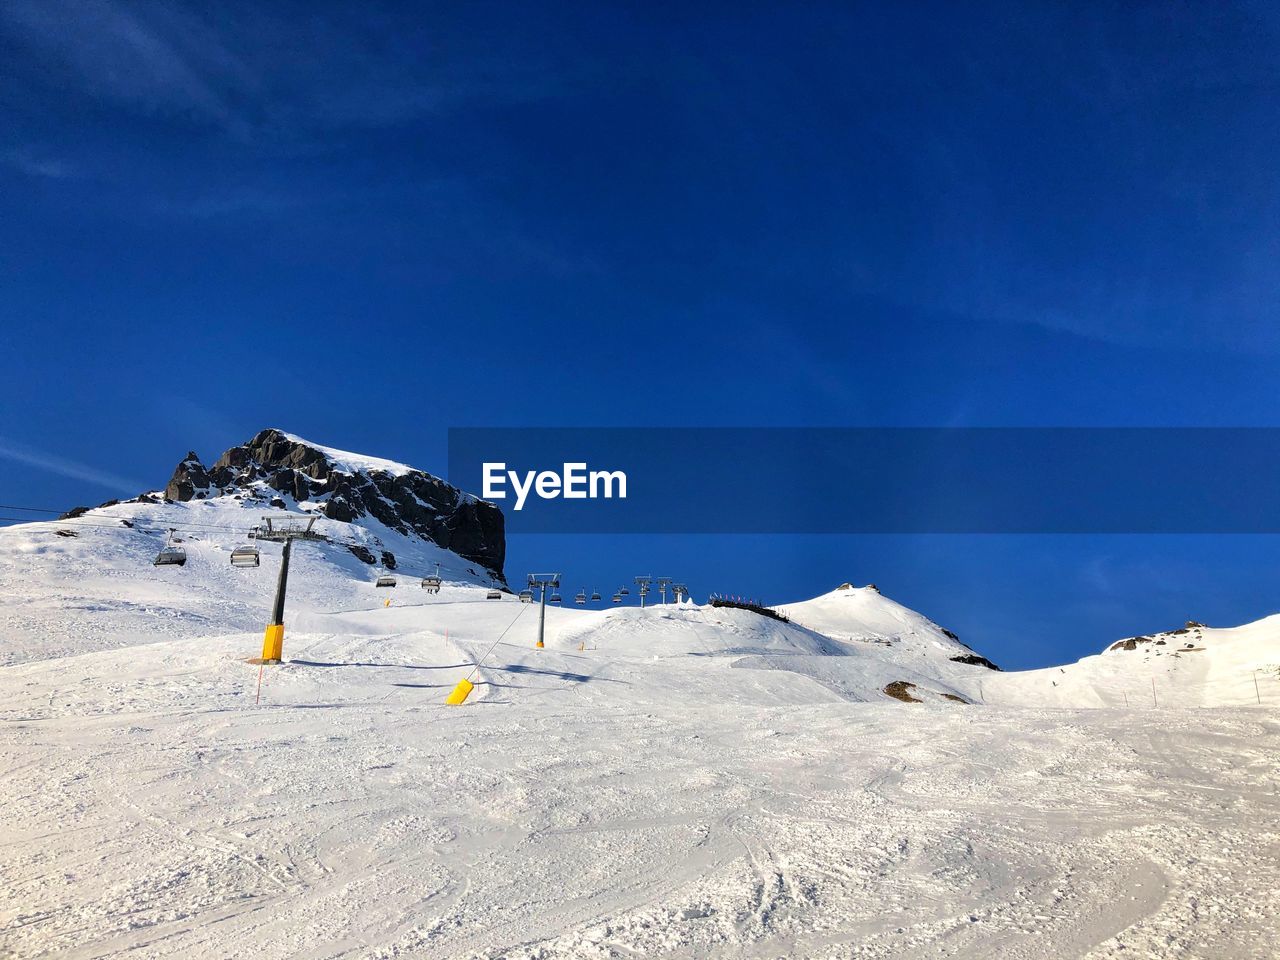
346	488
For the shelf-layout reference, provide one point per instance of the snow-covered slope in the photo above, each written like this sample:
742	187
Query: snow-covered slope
862	615
679	781
87	581
683	780
1193	666
97	587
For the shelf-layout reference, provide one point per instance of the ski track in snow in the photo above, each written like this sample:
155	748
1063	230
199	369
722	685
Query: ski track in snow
678	782
581	808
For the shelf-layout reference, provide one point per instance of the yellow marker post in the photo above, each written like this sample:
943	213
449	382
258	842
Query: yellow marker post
273	643
460	693
273	639
386	602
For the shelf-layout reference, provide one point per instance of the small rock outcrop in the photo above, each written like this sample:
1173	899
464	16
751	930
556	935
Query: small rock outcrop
973	659
189	479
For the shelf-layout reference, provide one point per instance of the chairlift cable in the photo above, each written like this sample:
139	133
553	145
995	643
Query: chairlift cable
493	646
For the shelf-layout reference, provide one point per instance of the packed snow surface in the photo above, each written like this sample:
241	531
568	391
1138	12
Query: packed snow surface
678	781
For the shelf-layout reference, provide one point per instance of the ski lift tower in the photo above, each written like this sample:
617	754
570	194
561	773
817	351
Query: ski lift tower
283	529
681	591
540	582
642	588
663	584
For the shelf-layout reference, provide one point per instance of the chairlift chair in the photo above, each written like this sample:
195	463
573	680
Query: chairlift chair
245	557
386	581
526	596
494	595
171	556
624	591
595	596
581	598
617	598
554	598
431	584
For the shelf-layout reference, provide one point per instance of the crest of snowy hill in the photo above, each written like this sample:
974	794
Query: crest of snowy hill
1195	665
282	471
863	616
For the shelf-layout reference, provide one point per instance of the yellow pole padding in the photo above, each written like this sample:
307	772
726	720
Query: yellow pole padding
273	643
539	644
460	693
386	602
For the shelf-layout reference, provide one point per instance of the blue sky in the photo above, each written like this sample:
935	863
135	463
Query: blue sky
367	223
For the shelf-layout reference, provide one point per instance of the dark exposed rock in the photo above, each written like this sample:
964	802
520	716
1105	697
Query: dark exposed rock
74	512
975	659
362	553
188	477
413	503
388	559
1130	643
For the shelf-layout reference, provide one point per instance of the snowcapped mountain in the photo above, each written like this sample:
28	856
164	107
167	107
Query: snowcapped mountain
862	615
283	471
87	582
1194	665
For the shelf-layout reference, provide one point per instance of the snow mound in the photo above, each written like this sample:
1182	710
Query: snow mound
863	615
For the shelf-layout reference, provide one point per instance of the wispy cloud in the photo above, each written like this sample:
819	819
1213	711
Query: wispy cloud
154	58
68	468
33	164
254	74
